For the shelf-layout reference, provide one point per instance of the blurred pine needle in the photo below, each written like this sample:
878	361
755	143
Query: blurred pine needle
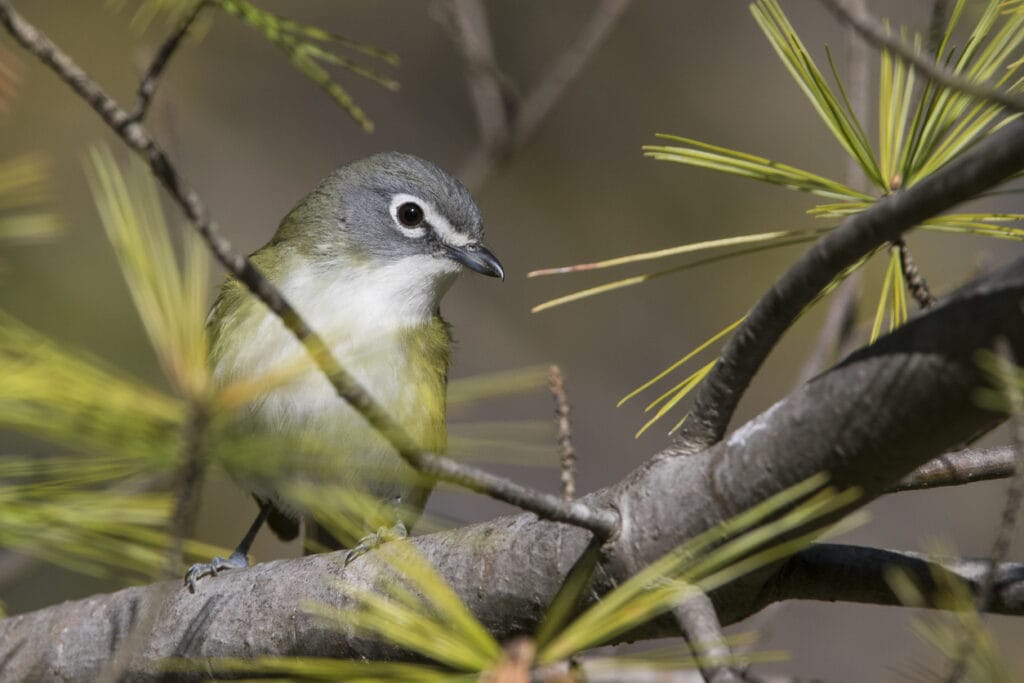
91	509
171	300
23	192
955	618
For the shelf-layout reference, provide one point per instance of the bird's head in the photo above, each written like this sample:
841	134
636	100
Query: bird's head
392	211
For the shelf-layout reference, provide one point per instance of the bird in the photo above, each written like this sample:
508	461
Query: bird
365	259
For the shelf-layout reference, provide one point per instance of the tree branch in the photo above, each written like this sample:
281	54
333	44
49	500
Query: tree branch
601	522
856	574
147	87
958	468
699	624
563	432
983	166
916	381
882	38
505	129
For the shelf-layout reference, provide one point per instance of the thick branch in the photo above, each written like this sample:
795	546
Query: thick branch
871	420
985	165
600	522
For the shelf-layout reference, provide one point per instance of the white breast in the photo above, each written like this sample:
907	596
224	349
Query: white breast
364	315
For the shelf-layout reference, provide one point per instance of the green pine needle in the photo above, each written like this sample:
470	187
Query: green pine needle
305	47
720	555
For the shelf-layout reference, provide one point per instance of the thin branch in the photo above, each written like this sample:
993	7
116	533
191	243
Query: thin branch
504	128
467	23
986	164
563	432
916	283
600	521
150	81
882	37
139	139
958	468
567	68
699	623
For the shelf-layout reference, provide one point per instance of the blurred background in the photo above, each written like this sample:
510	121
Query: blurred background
253	136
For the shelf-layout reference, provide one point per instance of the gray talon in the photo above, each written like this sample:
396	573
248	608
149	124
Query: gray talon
214	567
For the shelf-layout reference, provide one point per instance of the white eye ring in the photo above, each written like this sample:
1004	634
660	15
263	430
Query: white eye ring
400	202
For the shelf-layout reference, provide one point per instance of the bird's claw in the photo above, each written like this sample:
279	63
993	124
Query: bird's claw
214	567
377	539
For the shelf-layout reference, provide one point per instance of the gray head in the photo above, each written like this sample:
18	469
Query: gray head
387	208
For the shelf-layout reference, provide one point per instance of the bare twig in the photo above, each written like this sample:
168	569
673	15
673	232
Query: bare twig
567	68
916	283
563	431
467	23
600	522
699	623
504	128
960	467
986	164
163	56
882	37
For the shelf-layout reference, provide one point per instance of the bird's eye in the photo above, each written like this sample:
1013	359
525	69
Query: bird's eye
410	214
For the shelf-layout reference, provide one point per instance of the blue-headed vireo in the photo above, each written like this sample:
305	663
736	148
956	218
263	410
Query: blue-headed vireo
365	259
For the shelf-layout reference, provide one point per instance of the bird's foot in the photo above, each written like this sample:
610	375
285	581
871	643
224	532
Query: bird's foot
377	539
218	564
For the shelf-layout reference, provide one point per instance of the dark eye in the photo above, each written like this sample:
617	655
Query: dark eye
410	214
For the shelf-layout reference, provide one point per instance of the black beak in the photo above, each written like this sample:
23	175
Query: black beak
476	256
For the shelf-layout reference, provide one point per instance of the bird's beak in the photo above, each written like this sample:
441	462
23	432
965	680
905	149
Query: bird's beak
476	256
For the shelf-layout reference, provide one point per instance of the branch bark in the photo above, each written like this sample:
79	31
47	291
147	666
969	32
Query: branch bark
875	417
